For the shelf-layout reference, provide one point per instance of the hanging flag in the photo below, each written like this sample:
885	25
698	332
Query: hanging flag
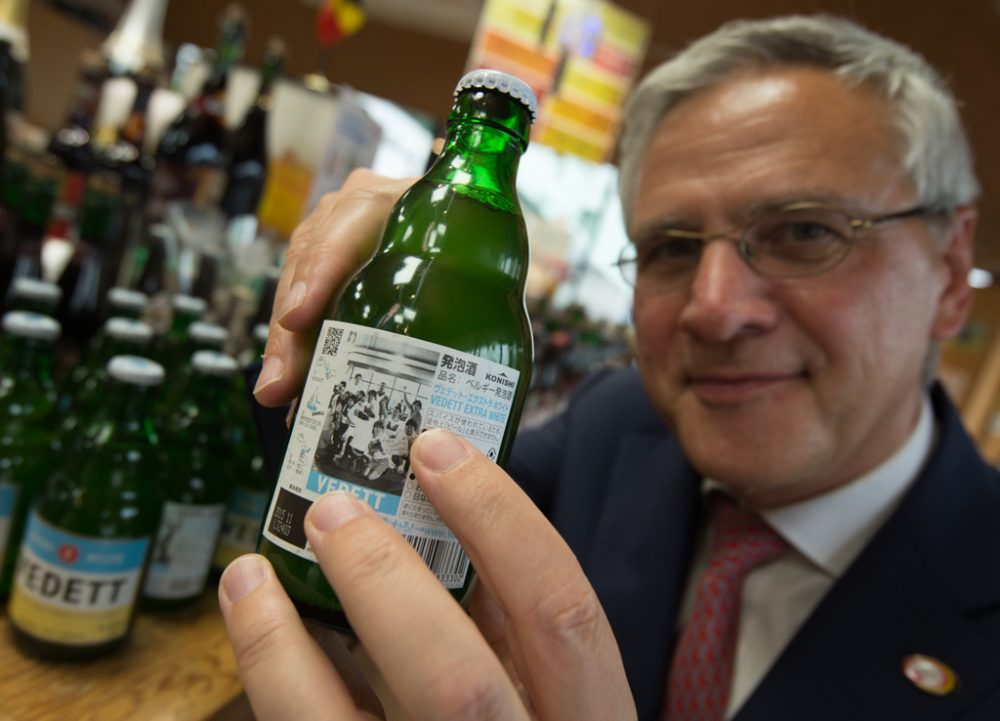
337	20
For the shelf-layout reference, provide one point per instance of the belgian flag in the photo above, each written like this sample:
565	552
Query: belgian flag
337	20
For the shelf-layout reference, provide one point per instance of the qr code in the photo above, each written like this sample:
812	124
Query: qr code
331	344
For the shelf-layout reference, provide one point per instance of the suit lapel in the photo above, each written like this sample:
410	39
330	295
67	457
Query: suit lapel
641	550
925	584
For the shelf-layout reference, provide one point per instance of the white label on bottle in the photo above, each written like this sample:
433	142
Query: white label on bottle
72	589
185	542
241	525
367	396
8	500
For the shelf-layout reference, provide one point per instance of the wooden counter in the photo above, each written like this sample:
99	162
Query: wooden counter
178	667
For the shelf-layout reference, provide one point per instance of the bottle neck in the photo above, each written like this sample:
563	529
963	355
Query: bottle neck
480	156
128	413
31	361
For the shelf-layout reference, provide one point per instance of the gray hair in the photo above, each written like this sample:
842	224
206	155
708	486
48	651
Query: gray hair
935	151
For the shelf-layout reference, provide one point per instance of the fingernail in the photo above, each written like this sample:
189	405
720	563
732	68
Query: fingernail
272	370
333	510
439	450
296	294
243	575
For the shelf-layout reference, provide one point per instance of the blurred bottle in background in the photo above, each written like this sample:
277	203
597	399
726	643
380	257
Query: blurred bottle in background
27	405
85	545
199	459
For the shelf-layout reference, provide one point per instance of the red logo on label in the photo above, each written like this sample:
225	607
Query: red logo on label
68	553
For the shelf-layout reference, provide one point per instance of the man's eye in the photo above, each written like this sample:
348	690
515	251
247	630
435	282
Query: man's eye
789	233
669	251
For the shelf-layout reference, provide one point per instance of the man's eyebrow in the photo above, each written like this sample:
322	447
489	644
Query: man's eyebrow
663	225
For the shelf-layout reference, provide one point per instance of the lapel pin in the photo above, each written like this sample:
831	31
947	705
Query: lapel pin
930	675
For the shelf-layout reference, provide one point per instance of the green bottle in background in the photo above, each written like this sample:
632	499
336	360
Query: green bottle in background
79	572
199	456
27	403
433	332
82	388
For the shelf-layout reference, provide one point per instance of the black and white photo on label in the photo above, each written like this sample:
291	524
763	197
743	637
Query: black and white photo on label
374	412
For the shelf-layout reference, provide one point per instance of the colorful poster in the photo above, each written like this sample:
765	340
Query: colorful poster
581	57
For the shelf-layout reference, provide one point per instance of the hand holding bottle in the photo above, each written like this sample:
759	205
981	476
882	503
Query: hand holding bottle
325	251
537	644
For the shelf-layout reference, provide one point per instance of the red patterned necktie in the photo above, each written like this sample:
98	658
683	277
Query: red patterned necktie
702	669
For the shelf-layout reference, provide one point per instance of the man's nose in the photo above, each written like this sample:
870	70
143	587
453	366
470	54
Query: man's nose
727	298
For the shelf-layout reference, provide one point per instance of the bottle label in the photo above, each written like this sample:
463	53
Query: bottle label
75	590
8	499
241	525
185	541
367	396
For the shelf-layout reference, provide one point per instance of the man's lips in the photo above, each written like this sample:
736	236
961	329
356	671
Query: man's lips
737	387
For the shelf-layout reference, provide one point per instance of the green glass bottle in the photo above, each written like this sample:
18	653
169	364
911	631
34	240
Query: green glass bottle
27	401
199	461
84	384
169	347
433	332
79	572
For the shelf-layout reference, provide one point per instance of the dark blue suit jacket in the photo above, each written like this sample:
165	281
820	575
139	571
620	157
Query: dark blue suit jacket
615	483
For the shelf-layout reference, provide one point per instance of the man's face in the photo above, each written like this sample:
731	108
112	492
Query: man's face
783	389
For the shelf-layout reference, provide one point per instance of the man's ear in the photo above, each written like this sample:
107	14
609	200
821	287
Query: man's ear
956	257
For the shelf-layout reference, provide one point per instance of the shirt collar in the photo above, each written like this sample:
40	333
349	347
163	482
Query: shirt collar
831	529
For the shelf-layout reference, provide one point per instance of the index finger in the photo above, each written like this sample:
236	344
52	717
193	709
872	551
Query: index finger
326	250
561	641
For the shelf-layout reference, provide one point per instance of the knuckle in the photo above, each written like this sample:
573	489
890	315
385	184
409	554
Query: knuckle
368	556
260	645
460	691
571	615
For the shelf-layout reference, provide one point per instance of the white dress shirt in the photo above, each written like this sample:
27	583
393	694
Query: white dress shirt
825	533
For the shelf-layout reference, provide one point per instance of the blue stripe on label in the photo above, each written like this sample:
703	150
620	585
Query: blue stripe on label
8	494
320	484
79	553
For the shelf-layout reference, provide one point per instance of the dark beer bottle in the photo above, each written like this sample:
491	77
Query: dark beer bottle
79	570
248	143
418	351
199	456
27	400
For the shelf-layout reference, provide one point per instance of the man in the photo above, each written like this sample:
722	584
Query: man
800	199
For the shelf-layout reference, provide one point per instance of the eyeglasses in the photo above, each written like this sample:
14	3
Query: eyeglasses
793	241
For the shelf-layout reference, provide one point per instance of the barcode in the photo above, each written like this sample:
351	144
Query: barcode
331	344
445	558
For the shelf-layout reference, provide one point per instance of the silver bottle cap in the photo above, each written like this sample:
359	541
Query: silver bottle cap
128	329
505	83
135	370
189	304
34	289
212	363
26	324
127	299
260	332
208	333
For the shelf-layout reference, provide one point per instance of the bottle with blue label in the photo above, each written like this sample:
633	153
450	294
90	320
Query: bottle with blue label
80	566
200	459
27	402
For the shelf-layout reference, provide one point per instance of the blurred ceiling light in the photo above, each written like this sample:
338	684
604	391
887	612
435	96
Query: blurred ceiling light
979	278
